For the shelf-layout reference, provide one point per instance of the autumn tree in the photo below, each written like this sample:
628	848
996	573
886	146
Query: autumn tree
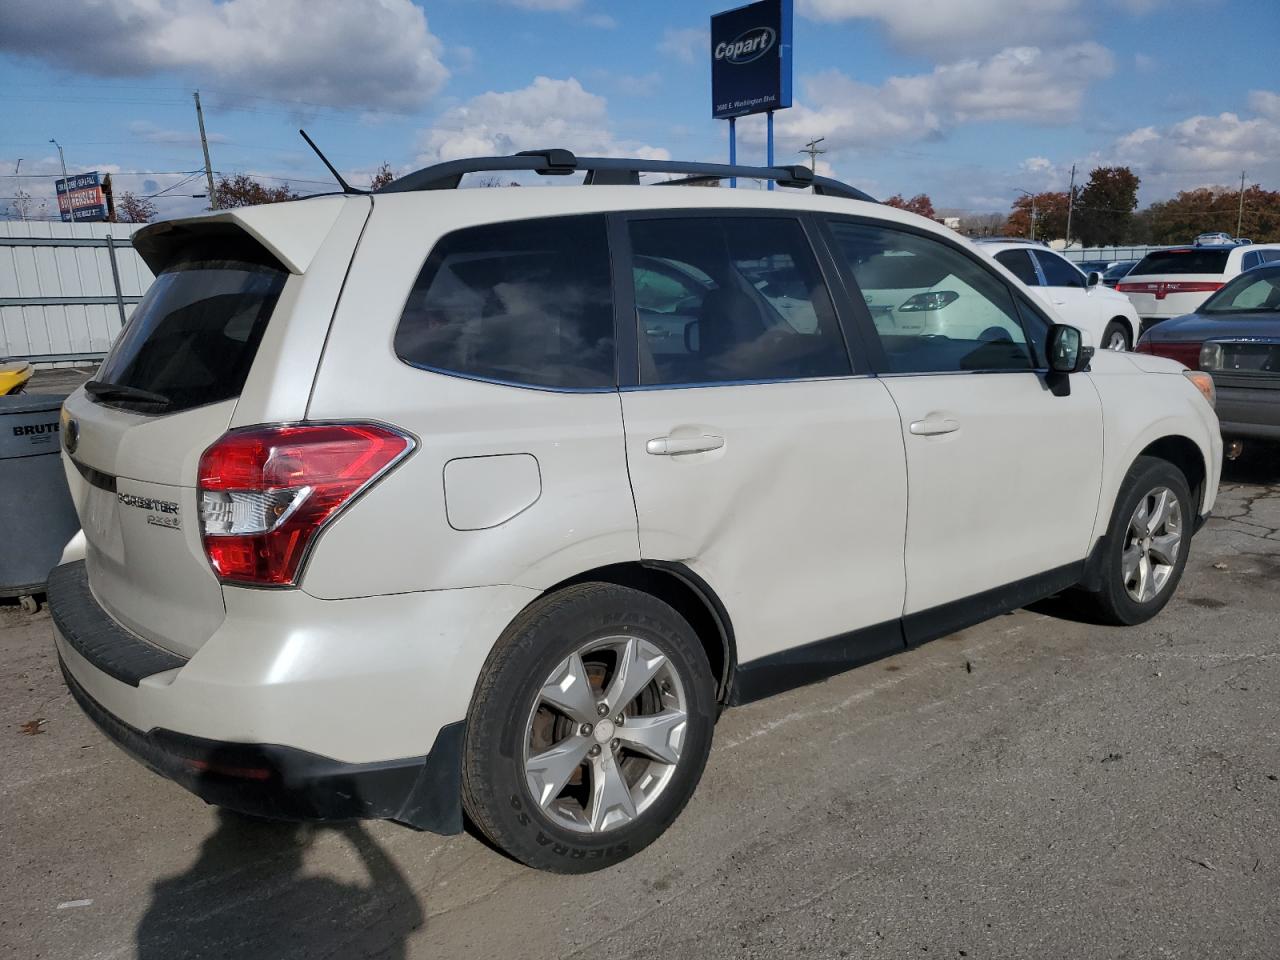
1050	216
131	208
1104	208
241	190
382	177
1211	209
920	204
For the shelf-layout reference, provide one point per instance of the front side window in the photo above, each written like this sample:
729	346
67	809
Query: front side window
1058	272
1018	262
725	299
935	309
526	302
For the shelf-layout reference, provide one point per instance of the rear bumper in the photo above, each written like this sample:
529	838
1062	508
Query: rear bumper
283	783
337	709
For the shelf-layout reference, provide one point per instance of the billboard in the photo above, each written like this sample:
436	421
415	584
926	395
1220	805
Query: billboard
81	198
751	59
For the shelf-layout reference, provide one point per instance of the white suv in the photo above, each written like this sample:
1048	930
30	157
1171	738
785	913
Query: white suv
439	500
1082	300
1173	282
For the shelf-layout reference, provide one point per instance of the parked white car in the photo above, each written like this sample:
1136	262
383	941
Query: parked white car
437	500
1108	318
1173	282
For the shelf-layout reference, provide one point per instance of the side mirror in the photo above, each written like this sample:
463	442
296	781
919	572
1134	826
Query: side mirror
1067	352
1094	278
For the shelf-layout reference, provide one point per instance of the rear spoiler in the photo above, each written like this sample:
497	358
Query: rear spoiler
290	232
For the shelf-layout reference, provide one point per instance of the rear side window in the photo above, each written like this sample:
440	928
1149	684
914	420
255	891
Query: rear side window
193	337
1018	262
725	299
1182	261
1059	273
526	302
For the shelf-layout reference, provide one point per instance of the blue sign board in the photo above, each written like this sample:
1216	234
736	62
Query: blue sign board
81	198
751	59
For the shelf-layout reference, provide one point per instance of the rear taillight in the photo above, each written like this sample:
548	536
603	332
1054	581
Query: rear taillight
1186	352
267	492
1162	288
1132	287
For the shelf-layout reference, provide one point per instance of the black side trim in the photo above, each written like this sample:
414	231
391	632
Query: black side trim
285	783
816	661
719	615
939	621
95	636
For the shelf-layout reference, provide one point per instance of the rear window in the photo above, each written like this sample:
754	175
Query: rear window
1182	261
193	337
526	302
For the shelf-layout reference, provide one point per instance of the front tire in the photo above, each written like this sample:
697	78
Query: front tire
1116	336
589	728
1146	544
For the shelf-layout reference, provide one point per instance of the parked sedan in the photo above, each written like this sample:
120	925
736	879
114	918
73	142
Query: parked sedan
1235	336
1117	272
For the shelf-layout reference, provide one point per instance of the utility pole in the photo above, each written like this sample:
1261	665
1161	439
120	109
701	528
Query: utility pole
204	145
1071	202
66	184
1240	215
1032	197
811	148
22	207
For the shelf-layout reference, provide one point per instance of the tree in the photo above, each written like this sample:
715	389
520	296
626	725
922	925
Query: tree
1104	208
1209	209
1051	216
242	190
920	204
382	177
134	209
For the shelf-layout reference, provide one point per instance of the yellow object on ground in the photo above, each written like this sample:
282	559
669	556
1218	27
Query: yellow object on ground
14	375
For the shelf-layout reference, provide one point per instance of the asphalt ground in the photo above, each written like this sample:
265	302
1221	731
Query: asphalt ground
1032	787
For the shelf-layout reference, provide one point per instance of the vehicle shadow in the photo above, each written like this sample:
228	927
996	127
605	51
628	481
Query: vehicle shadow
246	896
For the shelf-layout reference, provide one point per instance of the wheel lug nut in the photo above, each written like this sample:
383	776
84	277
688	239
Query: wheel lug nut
616	744
618	719
585	729
602	709
594	751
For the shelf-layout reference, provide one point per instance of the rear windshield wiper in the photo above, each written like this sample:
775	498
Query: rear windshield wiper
118	391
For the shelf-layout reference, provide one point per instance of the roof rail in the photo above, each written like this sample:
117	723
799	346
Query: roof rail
614	171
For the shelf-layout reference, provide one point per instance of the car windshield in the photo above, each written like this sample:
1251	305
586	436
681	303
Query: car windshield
1119	270
1257	291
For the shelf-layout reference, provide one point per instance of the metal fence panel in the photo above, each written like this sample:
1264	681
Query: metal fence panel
59	299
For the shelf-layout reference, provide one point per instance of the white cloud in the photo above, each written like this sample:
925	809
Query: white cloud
377	55
1037	164
1144	63
150	133
1265	103
1206	149
601	20
547	113
1021	83
685	45
950	28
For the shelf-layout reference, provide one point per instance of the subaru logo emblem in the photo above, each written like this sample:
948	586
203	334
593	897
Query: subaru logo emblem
747	46
71	435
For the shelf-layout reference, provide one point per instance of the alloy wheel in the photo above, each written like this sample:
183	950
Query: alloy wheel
604	734
1151	545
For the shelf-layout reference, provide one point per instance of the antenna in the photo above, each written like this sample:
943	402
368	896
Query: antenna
346	187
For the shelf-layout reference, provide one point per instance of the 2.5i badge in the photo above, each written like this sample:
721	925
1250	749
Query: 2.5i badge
160	513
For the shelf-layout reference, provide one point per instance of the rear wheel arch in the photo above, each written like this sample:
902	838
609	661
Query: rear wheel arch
689	595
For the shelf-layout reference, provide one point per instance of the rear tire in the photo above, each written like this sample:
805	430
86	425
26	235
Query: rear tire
1116	336
1146	545
589	728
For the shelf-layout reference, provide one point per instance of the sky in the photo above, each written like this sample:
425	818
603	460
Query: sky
968	101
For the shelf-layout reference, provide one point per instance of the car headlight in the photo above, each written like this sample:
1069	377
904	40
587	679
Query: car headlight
1204	383
1211	356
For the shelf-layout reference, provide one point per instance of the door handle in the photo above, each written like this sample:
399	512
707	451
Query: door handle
934	426
669	446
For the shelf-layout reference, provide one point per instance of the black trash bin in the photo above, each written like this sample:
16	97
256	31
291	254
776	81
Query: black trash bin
37	517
